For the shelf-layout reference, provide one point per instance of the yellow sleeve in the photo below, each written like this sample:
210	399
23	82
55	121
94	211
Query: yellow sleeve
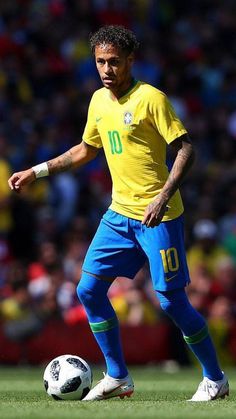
165	118
91	135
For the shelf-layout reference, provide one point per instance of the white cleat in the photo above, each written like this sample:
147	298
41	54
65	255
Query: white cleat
211	390
111	387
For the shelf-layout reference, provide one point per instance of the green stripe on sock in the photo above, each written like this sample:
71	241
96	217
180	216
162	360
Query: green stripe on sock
197	337
104	326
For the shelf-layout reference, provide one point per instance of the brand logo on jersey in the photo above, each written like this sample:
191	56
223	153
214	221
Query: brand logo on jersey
128	118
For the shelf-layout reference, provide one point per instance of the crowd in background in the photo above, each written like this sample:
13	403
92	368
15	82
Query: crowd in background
47	77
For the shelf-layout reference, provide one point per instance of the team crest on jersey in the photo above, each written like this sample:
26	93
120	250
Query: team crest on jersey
128	118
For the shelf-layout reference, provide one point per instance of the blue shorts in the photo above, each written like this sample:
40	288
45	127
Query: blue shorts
121	246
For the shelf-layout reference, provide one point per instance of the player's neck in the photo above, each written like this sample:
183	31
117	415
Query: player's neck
124	89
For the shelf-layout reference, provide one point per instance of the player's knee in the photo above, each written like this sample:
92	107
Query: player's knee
85	295
92	292
177	306
167	307
168	303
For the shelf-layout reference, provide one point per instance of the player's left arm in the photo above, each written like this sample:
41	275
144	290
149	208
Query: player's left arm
183	161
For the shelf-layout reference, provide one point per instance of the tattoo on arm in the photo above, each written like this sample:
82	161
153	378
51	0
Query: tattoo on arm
181	166
76	156
61	163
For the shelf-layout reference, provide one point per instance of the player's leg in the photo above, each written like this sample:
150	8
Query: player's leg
164	246
103	321
112	253
193	326
92	292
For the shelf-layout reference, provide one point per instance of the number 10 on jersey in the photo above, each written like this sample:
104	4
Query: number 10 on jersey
115	142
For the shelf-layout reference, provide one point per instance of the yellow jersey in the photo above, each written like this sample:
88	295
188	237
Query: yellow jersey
134	131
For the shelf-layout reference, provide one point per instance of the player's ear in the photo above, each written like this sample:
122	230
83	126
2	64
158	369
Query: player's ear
130	59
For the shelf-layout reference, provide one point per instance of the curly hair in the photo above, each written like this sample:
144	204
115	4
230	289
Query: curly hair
115	35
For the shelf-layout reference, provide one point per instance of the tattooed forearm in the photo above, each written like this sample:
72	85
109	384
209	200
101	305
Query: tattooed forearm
61	163
181	166
75	157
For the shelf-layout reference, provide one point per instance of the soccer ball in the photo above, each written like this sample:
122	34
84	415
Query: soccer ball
67	377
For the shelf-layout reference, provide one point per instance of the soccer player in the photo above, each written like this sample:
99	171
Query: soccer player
134	123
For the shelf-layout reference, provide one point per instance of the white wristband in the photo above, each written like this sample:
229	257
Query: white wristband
41	170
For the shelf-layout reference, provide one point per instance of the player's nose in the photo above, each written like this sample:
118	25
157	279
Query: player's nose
107	68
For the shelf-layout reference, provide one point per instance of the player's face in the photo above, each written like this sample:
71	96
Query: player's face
114	68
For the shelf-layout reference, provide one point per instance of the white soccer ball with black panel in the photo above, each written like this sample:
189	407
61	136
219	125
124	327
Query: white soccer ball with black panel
67	377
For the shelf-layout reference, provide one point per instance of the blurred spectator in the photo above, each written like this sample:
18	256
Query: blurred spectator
5	195
64	189
205	253
20	319
227	225
131	302
220	324
38	273
224	281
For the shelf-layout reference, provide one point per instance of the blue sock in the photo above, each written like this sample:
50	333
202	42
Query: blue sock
92	293
193	326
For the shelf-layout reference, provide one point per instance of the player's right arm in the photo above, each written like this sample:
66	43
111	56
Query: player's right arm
71	159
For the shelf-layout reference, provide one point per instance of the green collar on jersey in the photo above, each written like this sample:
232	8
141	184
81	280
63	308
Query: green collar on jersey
133	84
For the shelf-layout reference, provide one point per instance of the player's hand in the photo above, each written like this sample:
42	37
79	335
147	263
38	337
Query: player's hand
155	212
20	179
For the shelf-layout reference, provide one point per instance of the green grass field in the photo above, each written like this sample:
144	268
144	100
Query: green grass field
158	395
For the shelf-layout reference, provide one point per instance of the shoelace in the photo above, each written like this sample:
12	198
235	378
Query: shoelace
207	387
98	383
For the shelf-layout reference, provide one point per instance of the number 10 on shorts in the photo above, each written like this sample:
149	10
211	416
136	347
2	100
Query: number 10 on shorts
170	259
